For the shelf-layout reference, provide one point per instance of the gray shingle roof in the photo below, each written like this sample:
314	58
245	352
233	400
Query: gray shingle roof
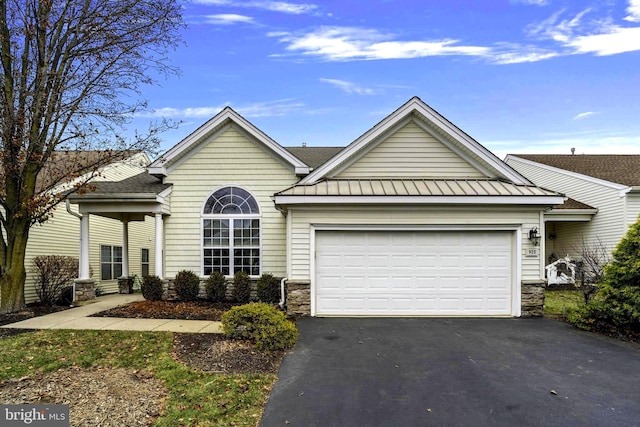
143	183
314	156
573	204
619	168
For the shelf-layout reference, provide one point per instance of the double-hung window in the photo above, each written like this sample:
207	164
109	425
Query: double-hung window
110	262
144	262
231	232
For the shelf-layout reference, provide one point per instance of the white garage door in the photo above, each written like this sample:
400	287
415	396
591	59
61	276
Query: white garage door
413	273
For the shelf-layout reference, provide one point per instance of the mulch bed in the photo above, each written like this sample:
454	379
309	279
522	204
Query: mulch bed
196	310
217	354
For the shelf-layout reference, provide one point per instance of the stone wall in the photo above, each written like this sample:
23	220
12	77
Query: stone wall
532	301
85	290
298	298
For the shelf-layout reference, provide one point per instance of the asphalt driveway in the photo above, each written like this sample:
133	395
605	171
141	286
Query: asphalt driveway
420	372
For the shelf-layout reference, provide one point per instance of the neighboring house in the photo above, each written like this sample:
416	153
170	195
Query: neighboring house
414	218
60	234
604	192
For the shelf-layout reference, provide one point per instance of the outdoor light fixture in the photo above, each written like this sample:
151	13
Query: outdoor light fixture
534	236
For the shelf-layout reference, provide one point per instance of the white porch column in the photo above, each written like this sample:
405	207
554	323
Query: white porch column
83	273
159	244
125	248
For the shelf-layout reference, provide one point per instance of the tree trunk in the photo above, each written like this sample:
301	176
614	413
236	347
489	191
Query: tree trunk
13	279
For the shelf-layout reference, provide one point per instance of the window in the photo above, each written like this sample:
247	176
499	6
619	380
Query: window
231	232
110	262
144	262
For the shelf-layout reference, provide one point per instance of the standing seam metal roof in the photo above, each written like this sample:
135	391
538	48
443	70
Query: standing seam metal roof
415	187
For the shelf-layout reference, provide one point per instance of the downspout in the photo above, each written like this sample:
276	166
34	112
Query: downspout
79	216
281	303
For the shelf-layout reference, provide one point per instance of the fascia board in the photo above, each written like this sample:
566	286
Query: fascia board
577	175
113	197
413	200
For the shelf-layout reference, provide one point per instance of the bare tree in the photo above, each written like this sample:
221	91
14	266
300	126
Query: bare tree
594	256
70	76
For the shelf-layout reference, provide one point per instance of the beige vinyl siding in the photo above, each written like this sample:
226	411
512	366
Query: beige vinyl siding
608	224
60	235
230	158
303	218
410	152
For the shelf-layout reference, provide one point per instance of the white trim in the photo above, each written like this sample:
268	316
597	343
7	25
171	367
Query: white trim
159	166
543	247
230	217
421	200
624	188
312	267
288	243
415	104
159	246
516	307
220	187
516	250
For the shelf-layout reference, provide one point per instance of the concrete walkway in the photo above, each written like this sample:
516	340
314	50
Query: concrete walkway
77	318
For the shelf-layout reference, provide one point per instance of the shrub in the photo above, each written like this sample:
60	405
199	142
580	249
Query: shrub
262	323
53	274
616	306
268	288
151	288
216	287
241	287
187	285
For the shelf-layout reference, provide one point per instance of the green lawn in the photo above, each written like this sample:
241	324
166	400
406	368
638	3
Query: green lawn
196	398
557	302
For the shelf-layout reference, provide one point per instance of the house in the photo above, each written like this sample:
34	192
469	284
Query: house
413	218
60	234
604	199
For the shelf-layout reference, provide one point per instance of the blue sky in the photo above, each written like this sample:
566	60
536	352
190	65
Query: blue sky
519	76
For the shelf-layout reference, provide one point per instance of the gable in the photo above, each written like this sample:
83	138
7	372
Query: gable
215	126
471	159
230	155
408	152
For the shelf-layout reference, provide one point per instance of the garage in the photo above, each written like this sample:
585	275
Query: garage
414	273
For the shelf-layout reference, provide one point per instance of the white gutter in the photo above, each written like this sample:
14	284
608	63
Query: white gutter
281	303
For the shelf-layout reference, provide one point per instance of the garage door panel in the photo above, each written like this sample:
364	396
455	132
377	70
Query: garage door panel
386	273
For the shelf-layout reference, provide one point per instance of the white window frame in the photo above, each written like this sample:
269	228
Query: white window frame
230	219
143	262
112	263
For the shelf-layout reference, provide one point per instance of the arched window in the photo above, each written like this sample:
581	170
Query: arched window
231	232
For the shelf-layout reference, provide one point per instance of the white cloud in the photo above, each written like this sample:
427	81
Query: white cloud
349	87
276	108
273	6
228	19
577	35
617	40
350	43
634	11
584	115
